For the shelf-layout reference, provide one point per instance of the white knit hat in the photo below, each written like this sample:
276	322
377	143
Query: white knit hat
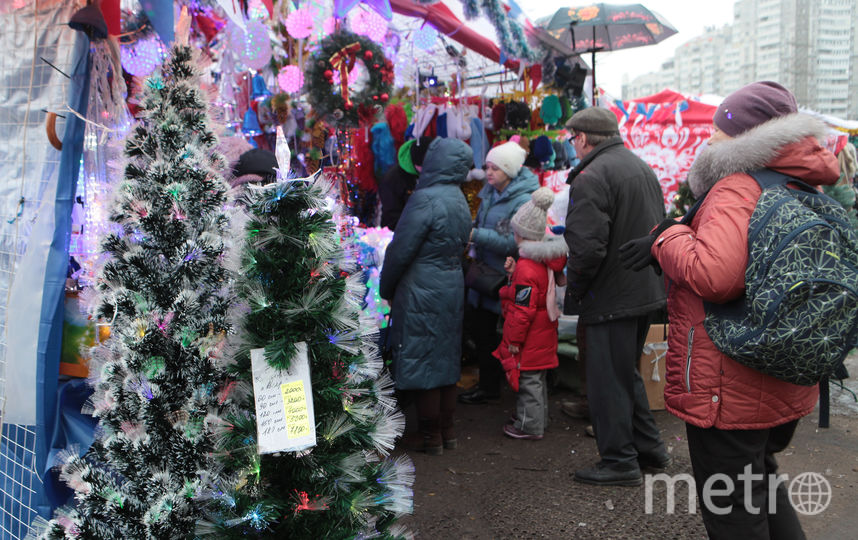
529	221
509	157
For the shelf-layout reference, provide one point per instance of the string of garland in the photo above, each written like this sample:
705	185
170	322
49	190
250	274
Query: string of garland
510	34
327	99
472	9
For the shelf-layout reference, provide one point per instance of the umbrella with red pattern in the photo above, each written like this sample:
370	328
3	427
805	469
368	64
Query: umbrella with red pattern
607	27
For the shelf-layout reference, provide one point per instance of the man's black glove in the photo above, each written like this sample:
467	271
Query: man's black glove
635	254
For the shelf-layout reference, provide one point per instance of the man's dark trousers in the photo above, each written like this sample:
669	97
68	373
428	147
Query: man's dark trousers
619	408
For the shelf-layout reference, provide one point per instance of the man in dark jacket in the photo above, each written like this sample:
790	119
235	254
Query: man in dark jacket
613	197
398	183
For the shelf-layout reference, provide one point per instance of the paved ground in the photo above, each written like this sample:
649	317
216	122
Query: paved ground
496	487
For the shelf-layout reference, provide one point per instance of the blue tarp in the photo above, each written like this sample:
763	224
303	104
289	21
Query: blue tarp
52	312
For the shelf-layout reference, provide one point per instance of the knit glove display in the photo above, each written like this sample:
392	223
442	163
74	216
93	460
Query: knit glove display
636	254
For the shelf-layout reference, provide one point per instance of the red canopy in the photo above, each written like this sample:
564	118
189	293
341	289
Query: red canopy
662	107
446	22
666	130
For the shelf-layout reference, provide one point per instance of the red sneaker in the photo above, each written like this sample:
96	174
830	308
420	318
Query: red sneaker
511	431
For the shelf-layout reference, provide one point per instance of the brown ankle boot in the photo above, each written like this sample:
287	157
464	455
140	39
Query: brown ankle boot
432	441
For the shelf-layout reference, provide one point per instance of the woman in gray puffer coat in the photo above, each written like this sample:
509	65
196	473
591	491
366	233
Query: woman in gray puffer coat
508	186
422	275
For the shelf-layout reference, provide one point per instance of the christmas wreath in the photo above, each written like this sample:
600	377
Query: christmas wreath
338	53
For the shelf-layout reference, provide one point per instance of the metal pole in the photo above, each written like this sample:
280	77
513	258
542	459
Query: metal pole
593	66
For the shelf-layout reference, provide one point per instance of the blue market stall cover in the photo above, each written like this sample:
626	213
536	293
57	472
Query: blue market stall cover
51	323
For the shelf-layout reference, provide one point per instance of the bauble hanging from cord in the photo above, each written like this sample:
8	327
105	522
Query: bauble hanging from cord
253	47
300	23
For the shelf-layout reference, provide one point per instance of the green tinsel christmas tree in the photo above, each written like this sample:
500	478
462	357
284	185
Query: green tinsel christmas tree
299	284
164	291
682	201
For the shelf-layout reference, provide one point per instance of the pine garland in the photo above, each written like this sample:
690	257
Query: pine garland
510	35
163	290
298	287
326	98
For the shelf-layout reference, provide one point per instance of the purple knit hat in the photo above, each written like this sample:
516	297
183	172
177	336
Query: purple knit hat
752	105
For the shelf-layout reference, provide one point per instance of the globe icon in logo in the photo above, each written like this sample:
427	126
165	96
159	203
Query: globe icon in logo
809	493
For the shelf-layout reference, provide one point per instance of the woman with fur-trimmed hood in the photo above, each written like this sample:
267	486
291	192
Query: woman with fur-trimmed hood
737	418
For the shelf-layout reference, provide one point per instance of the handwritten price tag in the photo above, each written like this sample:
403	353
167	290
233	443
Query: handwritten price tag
284	404
295	408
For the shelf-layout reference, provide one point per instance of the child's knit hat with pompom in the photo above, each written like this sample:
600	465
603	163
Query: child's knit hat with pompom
529	221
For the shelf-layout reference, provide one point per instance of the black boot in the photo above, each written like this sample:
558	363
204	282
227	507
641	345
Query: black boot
448	409
477	396
604	475
429	420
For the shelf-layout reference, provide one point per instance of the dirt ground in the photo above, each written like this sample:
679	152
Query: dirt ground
496	487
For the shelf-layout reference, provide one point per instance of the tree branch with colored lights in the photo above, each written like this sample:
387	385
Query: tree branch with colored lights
299	284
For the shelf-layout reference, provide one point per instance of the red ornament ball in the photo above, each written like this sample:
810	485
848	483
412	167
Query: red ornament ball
384	97
367	55
375	98
375	66
328	74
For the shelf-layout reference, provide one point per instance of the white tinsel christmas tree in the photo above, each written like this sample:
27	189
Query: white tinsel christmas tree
164	291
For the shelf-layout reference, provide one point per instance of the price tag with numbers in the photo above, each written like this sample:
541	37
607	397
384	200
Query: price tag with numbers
284	404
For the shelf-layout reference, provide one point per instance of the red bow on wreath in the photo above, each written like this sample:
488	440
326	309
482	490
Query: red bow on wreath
343	60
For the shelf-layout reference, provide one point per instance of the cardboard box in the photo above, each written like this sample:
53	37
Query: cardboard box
652	364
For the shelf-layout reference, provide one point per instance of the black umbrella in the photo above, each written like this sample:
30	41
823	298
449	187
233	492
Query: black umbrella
607	27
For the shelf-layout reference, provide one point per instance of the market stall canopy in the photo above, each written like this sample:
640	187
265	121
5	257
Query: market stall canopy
445	21
482	59
666	107
666	130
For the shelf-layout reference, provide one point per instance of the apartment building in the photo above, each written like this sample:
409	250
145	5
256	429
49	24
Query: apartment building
810	46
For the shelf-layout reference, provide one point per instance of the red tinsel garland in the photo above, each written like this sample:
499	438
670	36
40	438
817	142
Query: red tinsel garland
398	122
363	165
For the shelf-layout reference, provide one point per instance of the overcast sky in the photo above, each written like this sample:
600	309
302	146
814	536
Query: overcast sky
690	18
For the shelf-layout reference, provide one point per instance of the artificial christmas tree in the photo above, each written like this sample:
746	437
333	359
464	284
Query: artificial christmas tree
682	201
164	291
301	292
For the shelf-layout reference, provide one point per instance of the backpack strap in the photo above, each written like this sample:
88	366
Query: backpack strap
767	178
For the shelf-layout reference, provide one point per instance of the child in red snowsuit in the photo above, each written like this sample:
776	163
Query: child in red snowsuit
529	345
